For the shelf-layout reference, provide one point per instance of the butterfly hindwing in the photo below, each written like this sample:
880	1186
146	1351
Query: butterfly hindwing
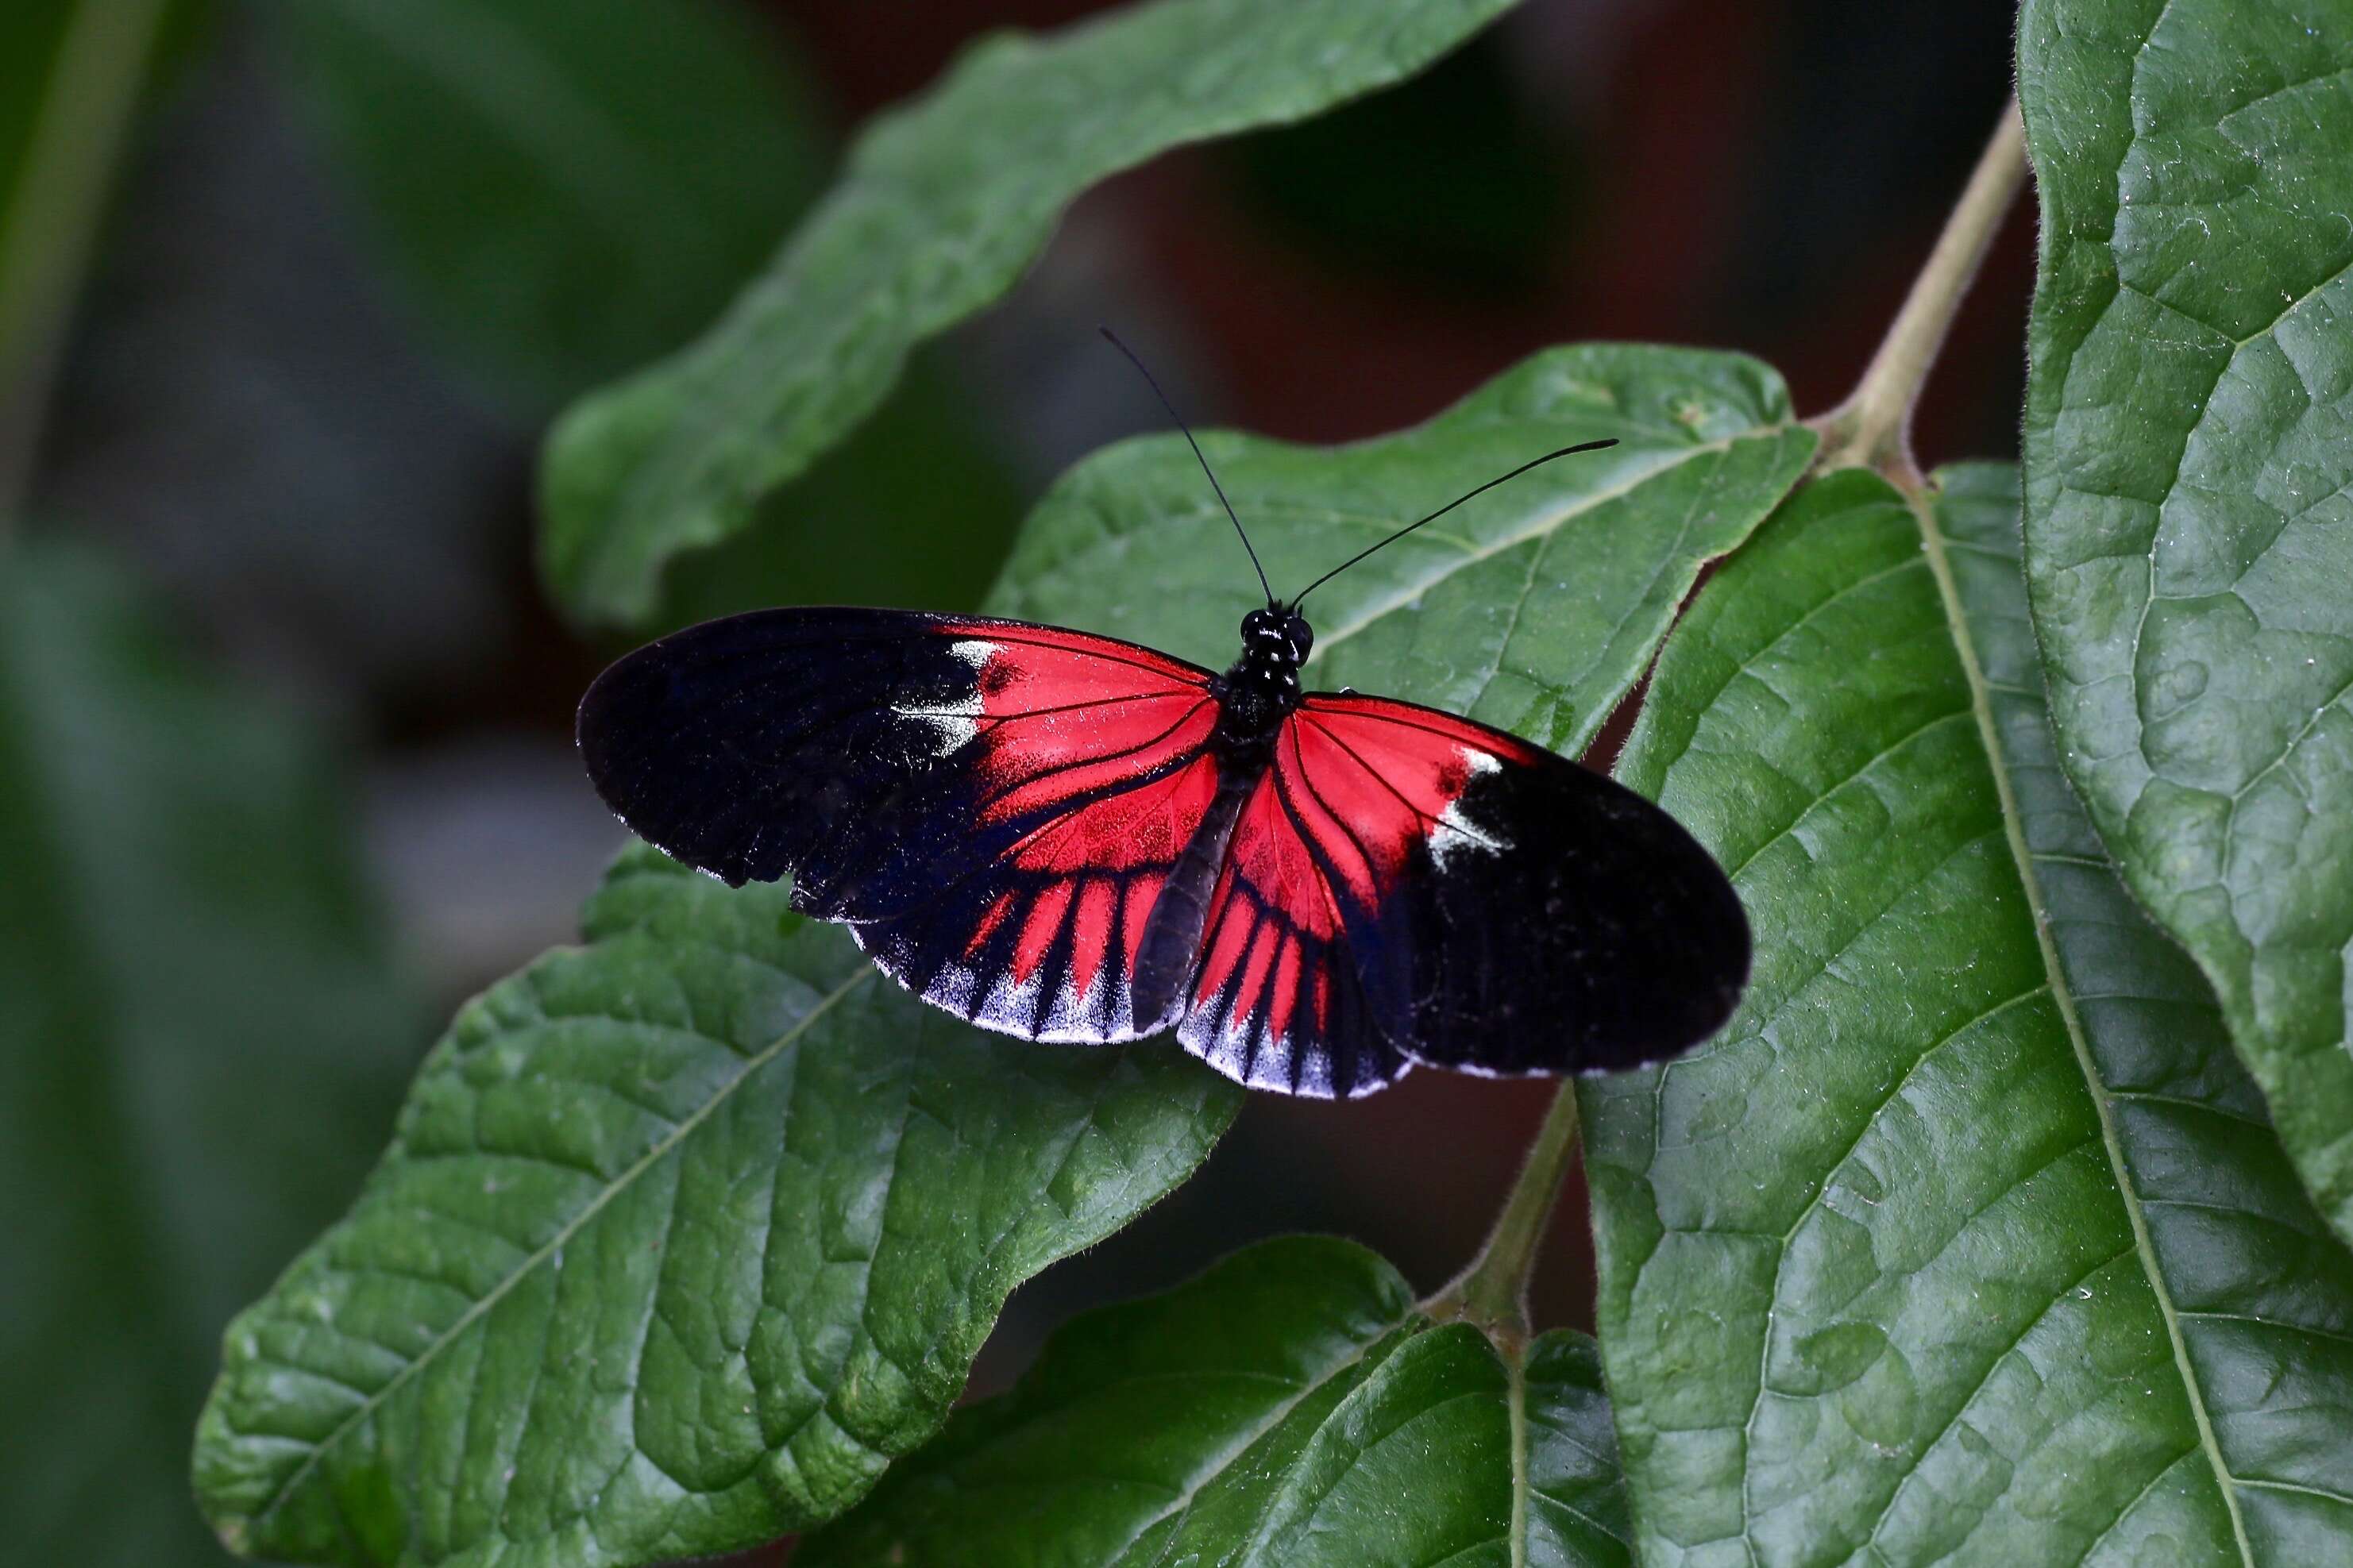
1509	912
1281	999
1043	942
991	804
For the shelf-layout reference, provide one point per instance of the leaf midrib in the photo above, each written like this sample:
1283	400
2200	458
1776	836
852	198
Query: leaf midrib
1940	568
1223	1465
622	1183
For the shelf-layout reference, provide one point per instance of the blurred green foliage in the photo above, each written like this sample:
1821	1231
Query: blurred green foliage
1447	180
940	206
200	1040
565	188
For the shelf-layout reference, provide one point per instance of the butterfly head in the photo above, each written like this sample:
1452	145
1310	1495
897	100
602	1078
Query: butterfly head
1262	687
1277	636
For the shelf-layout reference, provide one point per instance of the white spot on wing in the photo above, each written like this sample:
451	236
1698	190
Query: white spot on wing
954	725
1104	1015
1453	832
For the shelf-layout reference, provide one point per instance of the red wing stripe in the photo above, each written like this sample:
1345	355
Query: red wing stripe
1326	871
1384	710
1134	911
1108	649
1378	776
1218	961
1067	819
1244	967
1096	933
1315	844
988	804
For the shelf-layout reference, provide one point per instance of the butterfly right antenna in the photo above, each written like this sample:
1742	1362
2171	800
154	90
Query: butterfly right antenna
1450	506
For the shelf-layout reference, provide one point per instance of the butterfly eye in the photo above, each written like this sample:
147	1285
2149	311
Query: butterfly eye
1300	635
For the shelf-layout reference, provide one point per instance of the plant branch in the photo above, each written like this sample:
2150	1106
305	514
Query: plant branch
1492	1293
51	217
1873	428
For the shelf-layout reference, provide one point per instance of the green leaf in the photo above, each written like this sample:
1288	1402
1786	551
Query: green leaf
1966	1240
321	1444
1289	1407
1534	607
683	1236
199	1042
943	203
566	187
2188	538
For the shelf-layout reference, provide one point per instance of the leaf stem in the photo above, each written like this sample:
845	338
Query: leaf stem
50	219
1873	428
1493	1292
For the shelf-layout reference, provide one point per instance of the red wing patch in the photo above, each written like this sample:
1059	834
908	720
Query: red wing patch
1278	1000
1386	775
1094	756
1043	942
1306	950
1054	716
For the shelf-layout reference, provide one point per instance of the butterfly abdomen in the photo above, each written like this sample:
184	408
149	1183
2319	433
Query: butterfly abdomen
1171	949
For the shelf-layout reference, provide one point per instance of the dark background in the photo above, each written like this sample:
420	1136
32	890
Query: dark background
336	508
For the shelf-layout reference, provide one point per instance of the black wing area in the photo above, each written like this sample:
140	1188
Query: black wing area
1508	911
876	756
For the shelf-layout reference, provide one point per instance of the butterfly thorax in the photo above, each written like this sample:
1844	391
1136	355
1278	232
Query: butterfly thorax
1261	689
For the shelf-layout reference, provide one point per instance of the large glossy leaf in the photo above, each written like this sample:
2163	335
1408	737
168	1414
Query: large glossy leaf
568	187
943	205
1289	1407
1534	607
200	1042
683	1236
1968	1240
2188	533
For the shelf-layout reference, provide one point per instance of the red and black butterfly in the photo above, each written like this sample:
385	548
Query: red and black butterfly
1068	837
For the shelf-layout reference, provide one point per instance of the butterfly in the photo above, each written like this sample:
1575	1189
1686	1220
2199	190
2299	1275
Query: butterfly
1068	837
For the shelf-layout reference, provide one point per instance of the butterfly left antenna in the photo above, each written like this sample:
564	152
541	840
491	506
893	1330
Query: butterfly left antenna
1112	338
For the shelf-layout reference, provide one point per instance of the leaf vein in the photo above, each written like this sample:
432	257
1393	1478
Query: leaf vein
555	1244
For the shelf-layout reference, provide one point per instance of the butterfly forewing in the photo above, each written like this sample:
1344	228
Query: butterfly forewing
990	804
